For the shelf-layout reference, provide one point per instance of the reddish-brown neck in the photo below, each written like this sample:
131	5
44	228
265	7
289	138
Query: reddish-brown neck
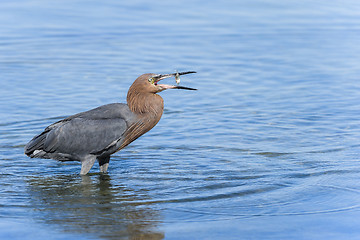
149	104
149	108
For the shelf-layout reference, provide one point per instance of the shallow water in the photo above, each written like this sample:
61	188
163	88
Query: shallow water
268	148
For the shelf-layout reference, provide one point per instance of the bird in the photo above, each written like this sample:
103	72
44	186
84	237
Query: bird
100	132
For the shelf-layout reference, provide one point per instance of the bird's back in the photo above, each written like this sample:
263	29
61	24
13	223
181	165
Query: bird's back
99	131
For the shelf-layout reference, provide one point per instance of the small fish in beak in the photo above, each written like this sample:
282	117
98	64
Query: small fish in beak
177	78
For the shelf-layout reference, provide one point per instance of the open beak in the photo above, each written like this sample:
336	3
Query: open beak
165	86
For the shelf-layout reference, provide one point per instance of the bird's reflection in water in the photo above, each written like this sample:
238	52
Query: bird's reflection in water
93	205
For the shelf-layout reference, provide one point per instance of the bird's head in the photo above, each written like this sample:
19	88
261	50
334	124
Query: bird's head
149	83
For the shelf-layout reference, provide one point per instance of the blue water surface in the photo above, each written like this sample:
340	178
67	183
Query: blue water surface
267	148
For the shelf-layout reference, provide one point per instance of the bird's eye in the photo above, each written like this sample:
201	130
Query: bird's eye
151	80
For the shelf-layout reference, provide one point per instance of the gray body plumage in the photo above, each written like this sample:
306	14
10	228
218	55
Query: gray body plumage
85	137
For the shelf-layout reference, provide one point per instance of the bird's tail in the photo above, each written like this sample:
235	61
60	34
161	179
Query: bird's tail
36	145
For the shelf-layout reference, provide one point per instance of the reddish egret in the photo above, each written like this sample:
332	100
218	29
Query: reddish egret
100	132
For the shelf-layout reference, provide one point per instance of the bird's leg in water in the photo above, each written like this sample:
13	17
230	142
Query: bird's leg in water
86	164
104	164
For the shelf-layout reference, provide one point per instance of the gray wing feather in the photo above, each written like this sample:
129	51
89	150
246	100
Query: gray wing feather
91	132
83	136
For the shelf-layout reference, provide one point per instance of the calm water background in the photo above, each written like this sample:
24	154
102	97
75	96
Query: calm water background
268	148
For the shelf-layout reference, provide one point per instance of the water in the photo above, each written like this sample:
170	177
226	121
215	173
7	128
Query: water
268	148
